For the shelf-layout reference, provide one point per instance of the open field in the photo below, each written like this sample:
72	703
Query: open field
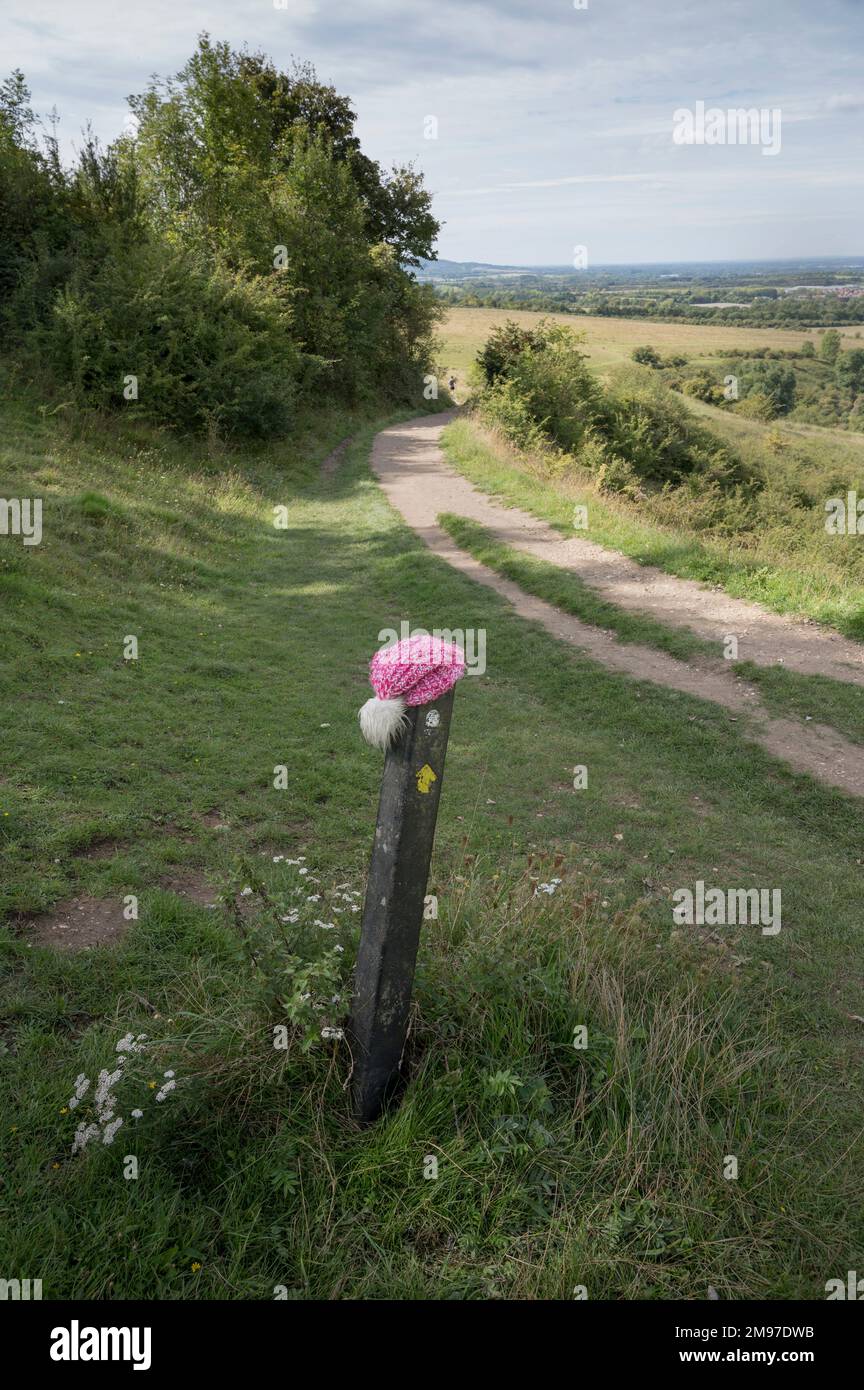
154	777
609	341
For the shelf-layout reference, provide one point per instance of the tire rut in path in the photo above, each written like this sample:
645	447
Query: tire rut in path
409	464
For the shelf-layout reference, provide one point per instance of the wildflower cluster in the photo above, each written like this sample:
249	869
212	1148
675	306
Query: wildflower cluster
549	888
104	1121
305	969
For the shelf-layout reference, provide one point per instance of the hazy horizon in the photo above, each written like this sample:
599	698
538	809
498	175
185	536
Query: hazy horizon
637	265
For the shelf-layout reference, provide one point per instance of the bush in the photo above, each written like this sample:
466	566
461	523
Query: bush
547	372
209	347
658	436
615	475
647	357
505	345
830	345
238	251
764	378
703	388
544	388
757	406
505	407
849	372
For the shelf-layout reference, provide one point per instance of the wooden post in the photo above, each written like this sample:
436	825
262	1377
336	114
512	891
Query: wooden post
393	910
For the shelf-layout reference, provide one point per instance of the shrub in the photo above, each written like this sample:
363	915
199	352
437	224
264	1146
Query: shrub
545	390
548	372
592	454
647	357
504	406
504	345
209	347
703	388
830	345
849	371
617	475
653	430
765	378
757	406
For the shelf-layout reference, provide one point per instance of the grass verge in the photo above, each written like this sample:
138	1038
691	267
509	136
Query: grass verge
756	572
557	1164
566	590
784	692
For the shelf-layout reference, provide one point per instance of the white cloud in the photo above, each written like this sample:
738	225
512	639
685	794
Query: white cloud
551	120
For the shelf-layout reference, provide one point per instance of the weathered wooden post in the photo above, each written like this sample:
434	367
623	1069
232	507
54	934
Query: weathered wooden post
398	873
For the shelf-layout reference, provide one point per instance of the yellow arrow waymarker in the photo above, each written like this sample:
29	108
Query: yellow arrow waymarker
425	778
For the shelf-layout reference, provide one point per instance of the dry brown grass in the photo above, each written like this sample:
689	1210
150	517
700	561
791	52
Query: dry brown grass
610	341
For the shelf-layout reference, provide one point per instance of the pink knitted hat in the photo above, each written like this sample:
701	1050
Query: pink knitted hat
414	671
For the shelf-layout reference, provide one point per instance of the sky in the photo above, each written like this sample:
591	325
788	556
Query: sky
549	131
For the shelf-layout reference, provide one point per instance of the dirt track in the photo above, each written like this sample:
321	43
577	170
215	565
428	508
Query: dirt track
409	463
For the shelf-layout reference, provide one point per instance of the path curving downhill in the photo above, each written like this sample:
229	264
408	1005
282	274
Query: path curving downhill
410	466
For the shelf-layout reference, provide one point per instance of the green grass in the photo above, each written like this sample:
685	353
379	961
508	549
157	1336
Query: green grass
820	585
809	697
564	589
557	1166
784	692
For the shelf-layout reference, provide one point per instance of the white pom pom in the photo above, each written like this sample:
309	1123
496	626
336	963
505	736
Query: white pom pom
381	721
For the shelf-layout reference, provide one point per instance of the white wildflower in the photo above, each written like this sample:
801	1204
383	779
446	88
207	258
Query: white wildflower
83	1134
169	1086
167	1073
111	1129
137	1114
336	1033
245	892
81	1084
102	1097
